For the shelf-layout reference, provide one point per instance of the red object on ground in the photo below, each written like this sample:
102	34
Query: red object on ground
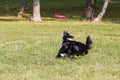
60	16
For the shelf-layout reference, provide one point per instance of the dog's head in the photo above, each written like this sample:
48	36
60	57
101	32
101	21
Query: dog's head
67	36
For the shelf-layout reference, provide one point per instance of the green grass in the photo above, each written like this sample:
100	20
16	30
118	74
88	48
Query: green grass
28	49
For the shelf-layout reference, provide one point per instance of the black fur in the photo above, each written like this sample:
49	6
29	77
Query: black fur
71	48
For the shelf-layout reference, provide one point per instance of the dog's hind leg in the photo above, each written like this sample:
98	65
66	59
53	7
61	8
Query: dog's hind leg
70	53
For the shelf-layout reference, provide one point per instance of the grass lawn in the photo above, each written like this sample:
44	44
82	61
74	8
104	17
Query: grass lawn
28	50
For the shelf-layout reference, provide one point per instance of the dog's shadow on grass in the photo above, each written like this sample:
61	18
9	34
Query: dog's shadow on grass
71	58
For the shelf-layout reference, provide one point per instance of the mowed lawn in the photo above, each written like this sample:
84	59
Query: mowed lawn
28	50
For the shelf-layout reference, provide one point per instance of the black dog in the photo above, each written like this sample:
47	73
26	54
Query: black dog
70	48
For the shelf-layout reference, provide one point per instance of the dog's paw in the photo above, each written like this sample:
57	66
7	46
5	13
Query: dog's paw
63	55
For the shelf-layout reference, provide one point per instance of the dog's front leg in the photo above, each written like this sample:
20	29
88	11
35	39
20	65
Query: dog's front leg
58	55
61	50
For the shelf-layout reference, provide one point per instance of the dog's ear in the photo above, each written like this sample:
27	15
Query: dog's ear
64	32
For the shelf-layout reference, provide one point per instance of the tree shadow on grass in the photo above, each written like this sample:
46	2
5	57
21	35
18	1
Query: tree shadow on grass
72	13
10	14
8	20
13	19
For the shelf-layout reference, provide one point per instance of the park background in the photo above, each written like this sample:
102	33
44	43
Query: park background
28	49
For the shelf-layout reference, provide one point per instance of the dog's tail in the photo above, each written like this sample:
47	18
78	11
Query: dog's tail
89	42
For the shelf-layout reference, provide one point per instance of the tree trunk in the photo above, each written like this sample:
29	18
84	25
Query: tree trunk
20	14
36	11
90	9
99	17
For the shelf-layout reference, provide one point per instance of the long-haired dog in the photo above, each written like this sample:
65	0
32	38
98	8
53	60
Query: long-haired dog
70	48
